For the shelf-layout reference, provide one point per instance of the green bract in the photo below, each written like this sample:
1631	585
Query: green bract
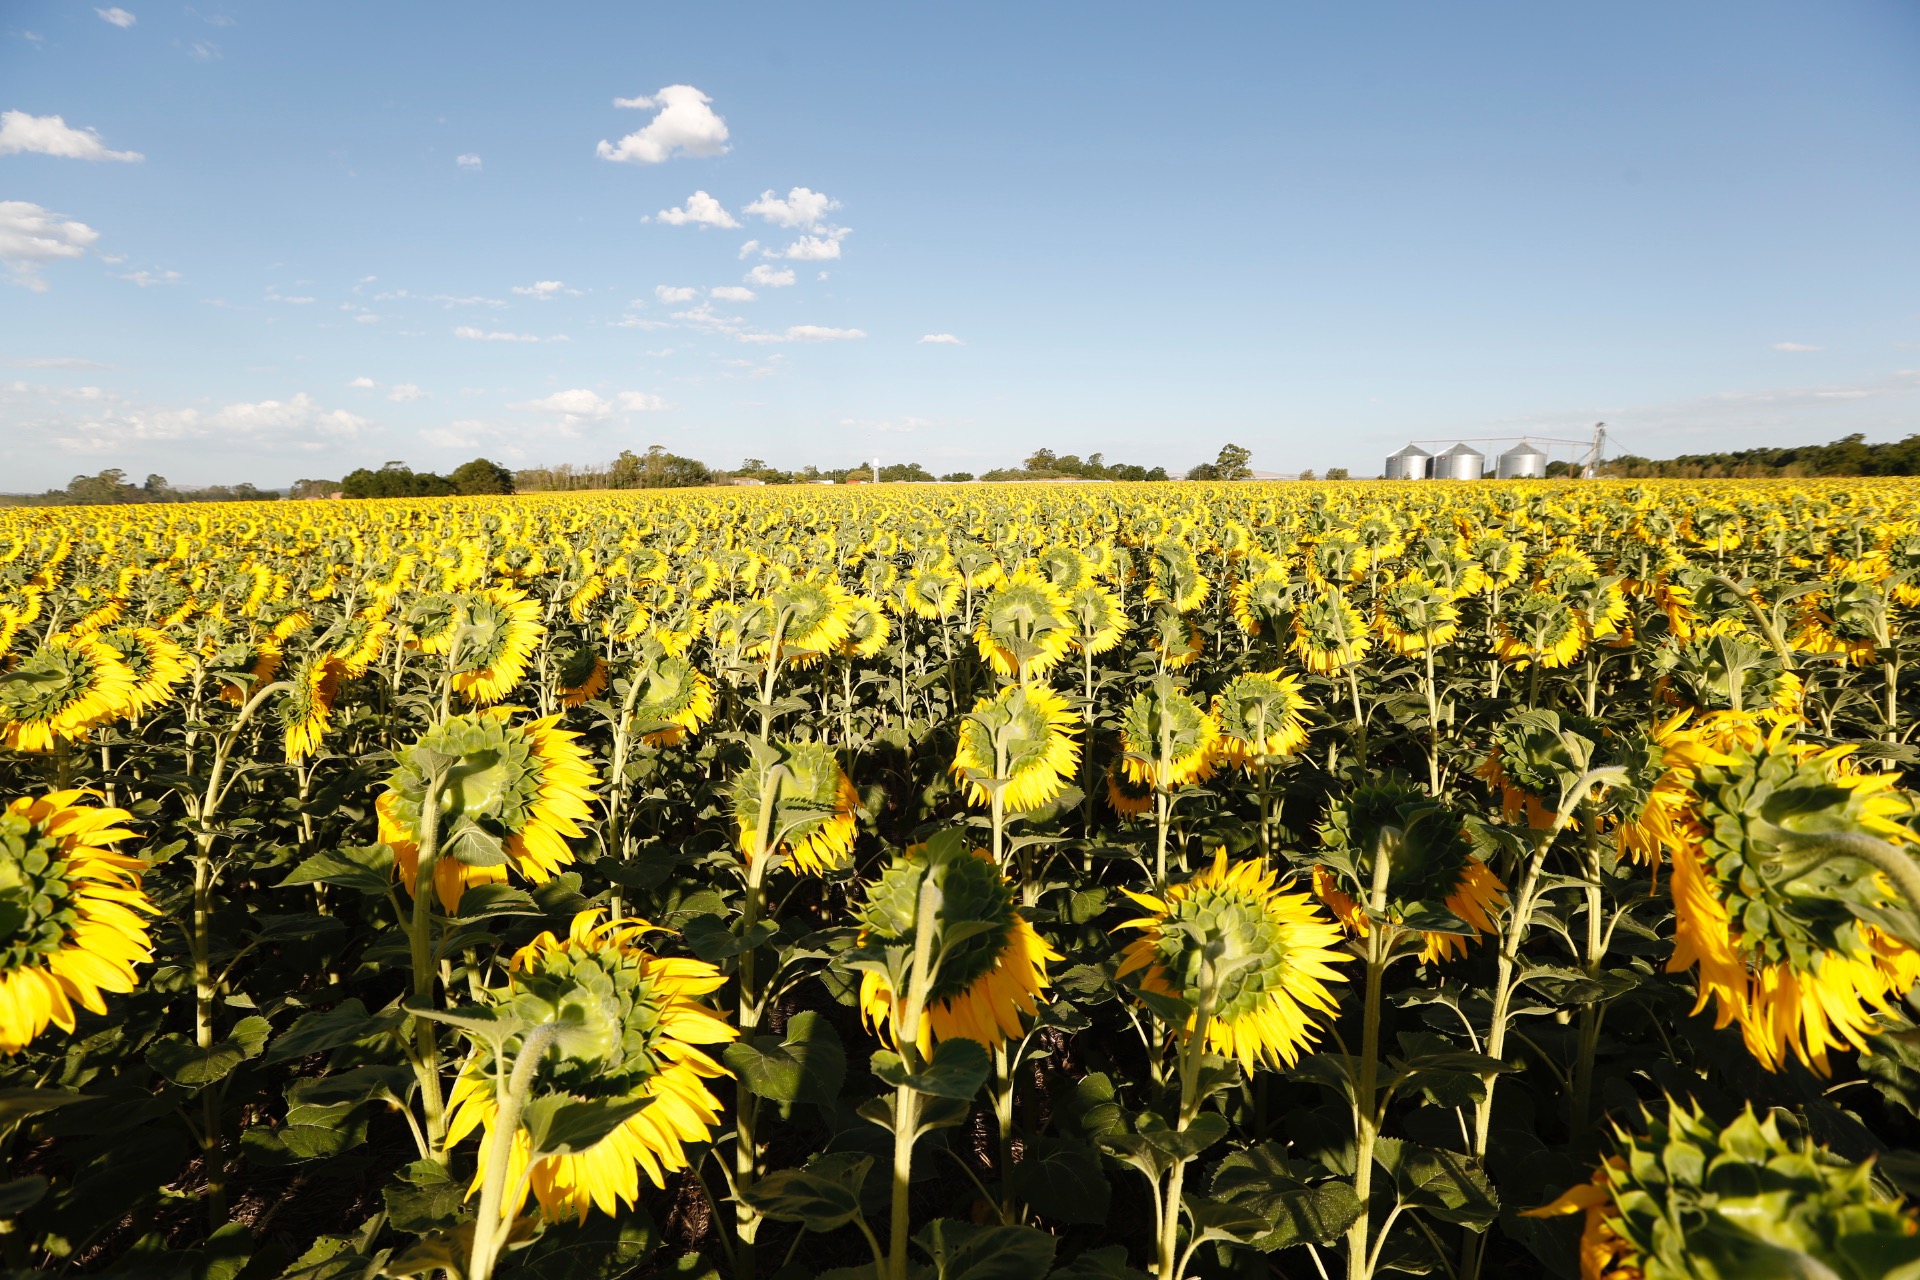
1424	842
36	907
972	892
491	777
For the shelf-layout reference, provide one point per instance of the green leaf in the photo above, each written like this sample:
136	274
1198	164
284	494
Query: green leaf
957	1070
1205	1129
1266	1181
325	1029
365	869
961	1251
18	1104
21	1194
481	900
1109	1262
1447	1185
821	1198
561	1125
1063	1180
807	1065
186	1063
1221	1220
361	1084
711	939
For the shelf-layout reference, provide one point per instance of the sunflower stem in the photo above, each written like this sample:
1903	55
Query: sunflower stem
746	1110
1192	1057
494	1221
1589	1043
426	1043
1366	1119
906	1103
1883	856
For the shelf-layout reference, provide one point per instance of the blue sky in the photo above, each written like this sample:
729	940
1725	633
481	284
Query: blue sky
358	232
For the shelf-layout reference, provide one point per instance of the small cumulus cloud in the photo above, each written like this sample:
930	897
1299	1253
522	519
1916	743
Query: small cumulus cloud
406	393
544	289
733	293
941	340
1795	346
820	248
53	136
363	383
700	210
685	125
468	160
770	277
147	279
117	16
32	236
472	334
805	333
675	293
800	208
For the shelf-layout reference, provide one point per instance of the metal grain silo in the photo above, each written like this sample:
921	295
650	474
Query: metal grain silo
1411	463
1460	463
1522	462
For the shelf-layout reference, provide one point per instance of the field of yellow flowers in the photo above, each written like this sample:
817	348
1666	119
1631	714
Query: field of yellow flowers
965	882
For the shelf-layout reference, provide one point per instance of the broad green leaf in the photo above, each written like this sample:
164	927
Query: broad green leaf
820	1199
325	1029
807	1065
961	1251
1062	1180
365	869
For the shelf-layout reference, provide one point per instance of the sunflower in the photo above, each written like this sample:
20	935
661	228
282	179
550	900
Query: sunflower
817	617
1539	626
1034	727
1175	638
306	709
676	699
71	913
60	691
1430	862
813	806
933	593
499	630
581	676
1023	629
1275	948
1129	799
260	659
1413	613
867	629
1329	635
1263	603
1173	575
526	786
1186	755
157	663
988	981
1690	1198
1095	619
1259	716
361	640
642	1028
1772	922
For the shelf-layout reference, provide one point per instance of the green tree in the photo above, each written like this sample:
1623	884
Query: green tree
1337	473
481	476
1232	464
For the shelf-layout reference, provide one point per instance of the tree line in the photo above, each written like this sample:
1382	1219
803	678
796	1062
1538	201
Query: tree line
1847	456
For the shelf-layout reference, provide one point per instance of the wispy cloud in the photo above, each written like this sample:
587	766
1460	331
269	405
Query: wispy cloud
53	136
770	277
805	333
31	237
1795	346
468	160
472	334
544	289
700	210
117	16
941	340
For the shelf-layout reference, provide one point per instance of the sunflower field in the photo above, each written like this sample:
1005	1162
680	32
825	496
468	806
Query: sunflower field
965	882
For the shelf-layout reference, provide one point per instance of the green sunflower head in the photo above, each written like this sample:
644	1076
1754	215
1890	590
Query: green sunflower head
492	776
973	910
1424	842
1691	1198
606	999
37	911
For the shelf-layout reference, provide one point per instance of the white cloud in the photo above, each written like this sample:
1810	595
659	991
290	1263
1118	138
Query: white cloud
117	16
481	335
704	317
368	318
770	277
406	393
801	208
941	340
584	405
147	279
467	160
685	124
805	333
53	136
363	383
750	248
204	51
57	362
543	289
820	248
675	293
702	210
31	237
448	300
1795	346
297	301
278	425
733	293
